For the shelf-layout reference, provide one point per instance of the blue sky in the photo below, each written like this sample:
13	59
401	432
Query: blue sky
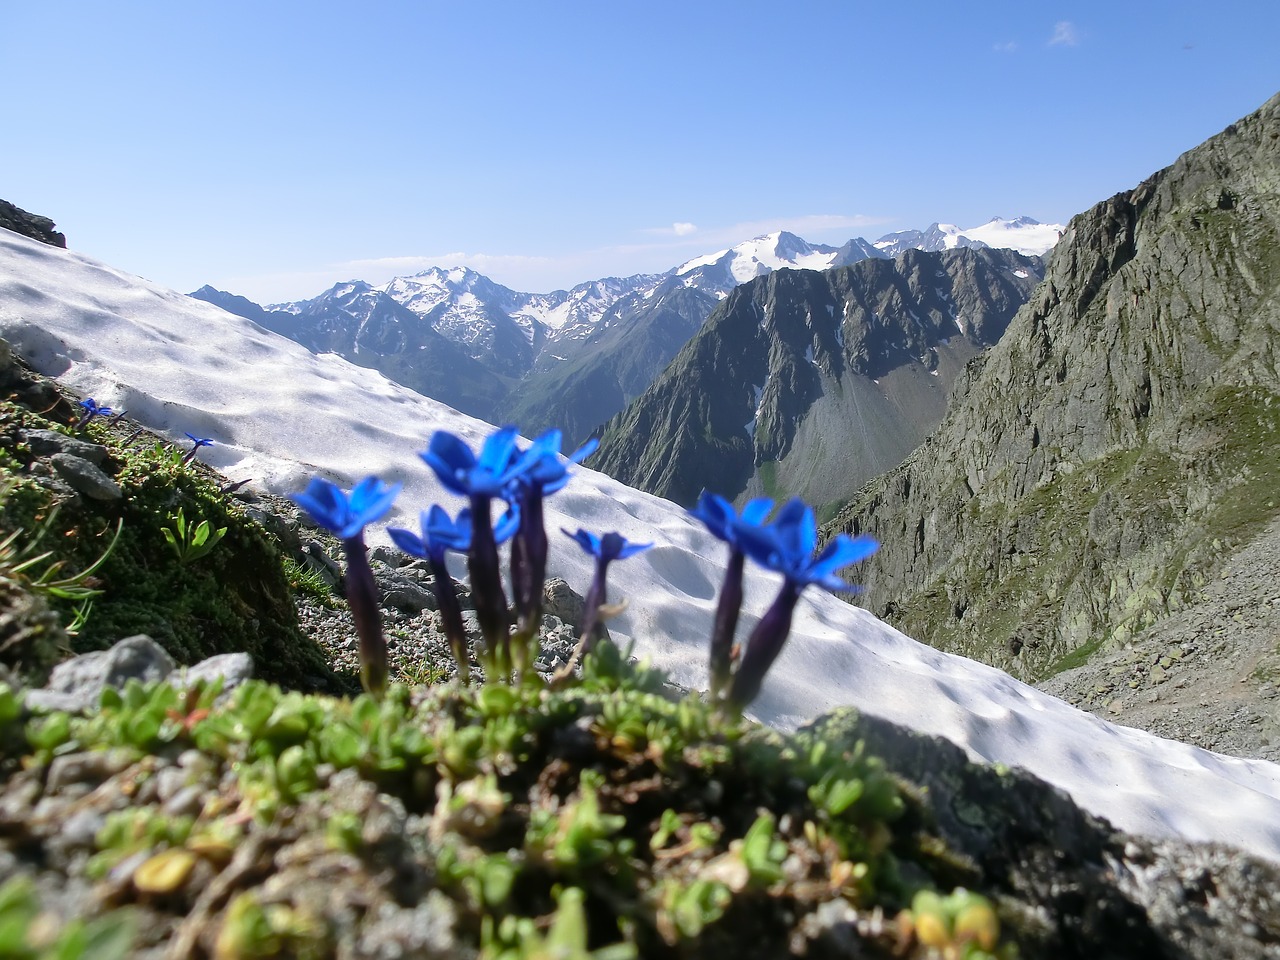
272	149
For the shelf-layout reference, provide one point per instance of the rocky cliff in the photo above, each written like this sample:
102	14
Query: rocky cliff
30	225
1097	466
810	383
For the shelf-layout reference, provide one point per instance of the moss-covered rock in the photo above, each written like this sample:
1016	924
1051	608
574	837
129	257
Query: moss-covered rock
236	597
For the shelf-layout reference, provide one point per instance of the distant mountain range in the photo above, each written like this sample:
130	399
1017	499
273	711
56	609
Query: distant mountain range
570	358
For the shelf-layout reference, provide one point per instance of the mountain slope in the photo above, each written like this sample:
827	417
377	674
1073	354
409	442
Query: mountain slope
1097	466
809	383
577	385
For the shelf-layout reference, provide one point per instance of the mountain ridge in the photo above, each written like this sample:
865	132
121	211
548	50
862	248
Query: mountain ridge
797	365
1116	447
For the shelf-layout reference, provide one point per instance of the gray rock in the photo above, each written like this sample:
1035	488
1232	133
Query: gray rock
561	601
403	592
232	668
30	225
46	442
82	679
1071	884
86	478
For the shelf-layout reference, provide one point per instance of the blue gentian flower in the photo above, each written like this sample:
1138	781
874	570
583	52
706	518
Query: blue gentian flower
91	410
198	443
346	516
481	479
540	471
461	471
787	546
718	515
440	535
606	549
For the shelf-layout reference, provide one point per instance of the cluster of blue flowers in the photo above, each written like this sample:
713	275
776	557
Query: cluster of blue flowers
521	479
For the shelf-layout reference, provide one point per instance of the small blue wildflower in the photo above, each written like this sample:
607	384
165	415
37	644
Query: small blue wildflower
440	535
342	515
718	515
606	549
461	471
91	410
540	471
787	546
197	442
482	479
346	516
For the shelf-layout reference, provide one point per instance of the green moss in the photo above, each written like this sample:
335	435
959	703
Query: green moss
235	598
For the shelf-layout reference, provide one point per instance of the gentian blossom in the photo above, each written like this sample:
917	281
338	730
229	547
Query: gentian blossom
91	410
481	479
541	471
606	549
440	535
787	546
197	442
346	516
718	515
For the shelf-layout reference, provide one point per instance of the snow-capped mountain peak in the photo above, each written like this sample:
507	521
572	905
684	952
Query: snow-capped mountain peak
723	270
1027	236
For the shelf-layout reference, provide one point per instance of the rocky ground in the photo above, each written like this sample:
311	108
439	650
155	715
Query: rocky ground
1208	674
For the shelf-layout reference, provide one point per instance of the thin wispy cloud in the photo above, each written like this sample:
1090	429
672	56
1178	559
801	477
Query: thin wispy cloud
677	229
1009	46
1065	34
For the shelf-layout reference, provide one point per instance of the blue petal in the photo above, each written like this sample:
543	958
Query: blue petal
370	501
507	525
584	451
324	503
716	514
495	455
409	542
587	541
451	460
630	549
841	552
754	512
611	546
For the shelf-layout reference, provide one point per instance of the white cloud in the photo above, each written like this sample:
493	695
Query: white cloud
1007	47
1065	34
683	229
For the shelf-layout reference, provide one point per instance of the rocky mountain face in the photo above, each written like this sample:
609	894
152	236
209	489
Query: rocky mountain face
1096	468
578	386
810	383
30	225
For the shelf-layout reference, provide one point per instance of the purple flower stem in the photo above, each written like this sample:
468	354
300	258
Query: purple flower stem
595	600
764	645
528	573
451	615
486	589
362	596
726	624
